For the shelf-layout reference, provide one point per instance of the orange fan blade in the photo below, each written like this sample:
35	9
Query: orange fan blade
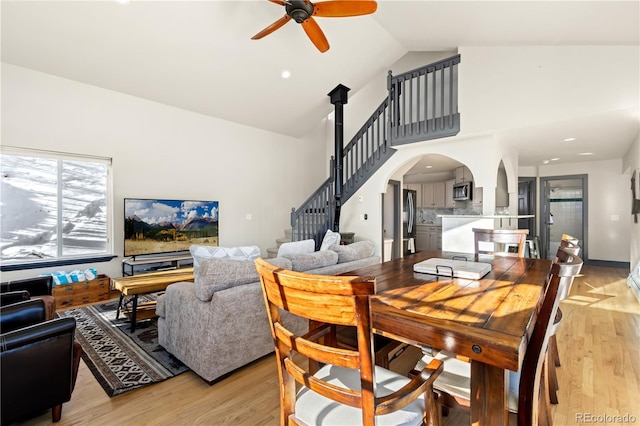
338	9
316	35
271	28
280	2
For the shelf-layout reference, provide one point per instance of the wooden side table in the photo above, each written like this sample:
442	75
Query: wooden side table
135	285
81	293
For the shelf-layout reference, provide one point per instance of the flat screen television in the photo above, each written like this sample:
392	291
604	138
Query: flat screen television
168	226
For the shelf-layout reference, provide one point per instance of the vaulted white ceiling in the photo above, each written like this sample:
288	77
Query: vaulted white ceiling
198	55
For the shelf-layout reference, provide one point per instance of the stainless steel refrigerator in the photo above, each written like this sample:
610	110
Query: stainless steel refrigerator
408	221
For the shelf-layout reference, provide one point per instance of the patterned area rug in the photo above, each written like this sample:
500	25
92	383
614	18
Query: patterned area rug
120	360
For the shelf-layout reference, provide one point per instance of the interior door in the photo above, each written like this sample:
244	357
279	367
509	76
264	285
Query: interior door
563	211
527	204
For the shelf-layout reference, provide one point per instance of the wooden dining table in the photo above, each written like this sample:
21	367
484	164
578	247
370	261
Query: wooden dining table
488	320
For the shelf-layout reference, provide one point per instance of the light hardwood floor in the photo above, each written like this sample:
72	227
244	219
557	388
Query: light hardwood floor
599	343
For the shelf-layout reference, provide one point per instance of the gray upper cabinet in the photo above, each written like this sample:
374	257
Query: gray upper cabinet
448	193
463	174
433	194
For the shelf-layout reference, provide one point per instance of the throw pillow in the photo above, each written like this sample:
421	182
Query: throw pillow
330	238
306	261
304	246
355	251
200	253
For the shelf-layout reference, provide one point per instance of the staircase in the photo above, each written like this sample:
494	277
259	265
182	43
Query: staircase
273	251
422	105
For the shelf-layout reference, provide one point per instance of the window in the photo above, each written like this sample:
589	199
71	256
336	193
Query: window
54	209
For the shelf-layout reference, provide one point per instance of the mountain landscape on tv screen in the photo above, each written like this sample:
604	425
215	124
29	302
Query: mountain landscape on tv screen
185	223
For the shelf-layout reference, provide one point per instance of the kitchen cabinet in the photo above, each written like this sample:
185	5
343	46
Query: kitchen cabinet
428	237
422	237
418	188
448	193
477	196
433	194
463	174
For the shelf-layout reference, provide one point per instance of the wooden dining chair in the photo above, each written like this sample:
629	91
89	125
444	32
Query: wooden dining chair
337	385
528	391
500	237
568	247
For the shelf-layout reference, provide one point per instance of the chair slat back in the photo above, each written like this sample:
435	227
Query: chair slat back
570	244
325	301
565	255
500	236
562	272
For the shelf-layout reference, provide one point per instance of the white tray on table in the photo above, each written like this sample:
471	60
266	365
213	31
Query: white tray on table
452	267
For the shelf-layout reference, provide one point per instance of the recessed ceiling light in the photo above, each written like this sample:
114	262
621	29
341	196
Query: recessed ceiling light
586	153
429	167
286	74
568	139
545	162
555	159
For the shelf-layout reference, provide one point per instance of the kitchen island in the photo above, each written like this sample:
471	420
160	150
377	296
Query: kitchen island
457	234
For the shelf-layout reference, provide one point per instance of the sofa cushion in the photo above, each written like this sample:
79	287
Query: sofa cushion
330	238
200	253
355	251
280	262
305	261
304	246
220	274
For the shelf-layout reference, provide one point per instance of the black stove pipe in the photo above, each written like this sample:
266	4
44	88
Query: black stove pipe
338	98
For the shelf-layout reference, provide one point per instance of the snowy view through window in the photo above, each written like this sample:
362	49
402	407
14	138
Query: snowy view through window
41	220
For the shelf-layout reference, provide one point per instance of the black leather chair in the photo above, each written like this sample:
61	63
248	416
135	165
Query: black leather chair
35	288
39	361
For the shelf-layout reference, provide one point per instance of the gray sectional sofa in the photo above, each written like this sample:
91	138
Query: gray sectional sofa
219	322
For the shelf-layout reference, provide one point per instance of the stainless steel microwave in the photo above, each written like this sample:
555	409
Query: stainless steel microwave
462	191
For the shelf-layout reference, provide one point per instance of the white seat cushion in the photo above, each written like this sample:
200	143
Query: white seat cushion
314	409
455	378
304	246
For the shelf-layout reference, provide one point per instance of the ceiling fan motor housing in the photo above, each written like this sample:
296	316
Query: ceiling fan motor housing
299	10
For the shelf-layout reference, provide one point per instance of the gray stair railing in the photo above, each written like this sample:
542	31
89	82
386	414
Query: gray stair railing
312	219
367	151
422	105
424	102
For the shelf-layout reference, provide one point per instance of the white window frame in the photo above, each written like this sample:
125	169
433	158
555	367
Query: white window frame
60	260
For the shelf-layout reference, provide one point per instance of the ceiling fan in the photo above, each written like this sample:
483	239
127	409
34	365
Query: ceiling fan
303	11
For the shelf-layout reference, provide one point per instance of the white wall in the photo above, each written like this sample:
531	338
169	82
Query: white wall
519	86
164	152
608	196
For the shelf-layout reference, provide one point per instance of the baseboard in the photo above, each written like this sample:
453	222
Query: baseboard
608	263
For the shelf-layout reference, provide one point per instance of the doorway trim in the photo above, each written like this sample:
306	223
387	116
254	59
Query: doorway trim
545	209
395	253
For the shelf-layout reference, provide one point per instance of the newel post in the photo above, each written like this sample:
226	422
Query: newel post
338	98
